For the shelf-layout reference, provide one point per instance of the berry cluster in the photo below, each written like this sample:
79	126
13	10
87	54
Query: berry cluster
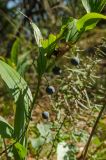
57	71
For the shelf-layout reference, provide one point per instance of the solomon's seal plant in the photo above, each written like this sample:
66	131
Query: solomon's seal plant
70	32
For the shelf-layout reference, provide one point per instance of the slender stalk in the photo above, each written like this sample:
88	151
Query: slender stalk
32	105
5	148
41	147
56	136
36	94
92	132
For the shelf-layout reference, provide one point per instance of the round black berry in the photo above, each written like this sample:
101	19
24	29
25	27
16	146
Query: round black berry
50	89
45	115
56	70
75	61
56	52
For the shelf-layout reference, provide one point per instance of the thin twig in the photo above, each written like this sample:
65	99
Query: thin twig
92	132
25	15
61	125
41	147
5	148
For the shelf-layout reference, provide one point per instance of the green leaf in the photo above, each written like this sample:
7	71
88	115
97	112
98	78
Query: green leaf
96	141
20	151
23	64
37	34
21	93
15	82
69	31
15	51
93	5
44	129
89	21
41	63
48	45
6	130
37	142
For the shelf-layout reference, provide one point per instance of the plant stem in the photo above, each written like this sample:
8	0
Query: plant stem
33	103
56	136
36	94
5	148
92	132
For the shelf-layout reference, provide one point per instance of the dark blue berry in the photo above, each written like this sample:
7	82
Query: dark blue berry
56	52
56	70
45	115
50	89
75	61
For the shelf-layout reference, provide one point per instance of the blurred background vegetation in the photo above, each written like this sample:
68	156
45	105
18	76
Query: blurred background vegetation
81	90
